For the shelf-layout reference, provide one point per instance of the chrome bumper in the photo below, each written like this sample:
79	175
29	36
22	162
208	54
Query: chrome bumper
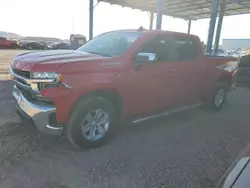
38	112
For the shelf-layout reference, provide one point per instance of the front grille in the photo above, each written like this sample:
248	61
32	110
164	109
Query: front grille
25	88
21	73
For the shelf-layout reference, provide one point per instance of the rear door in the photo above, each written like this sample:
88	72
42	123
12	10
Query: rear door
189	70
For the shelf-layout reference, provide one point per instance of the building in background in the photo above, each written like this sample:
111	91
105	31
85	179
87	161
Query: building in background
234	44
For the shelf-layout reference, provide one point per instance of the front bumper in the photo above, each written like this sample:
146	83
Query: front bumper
38	112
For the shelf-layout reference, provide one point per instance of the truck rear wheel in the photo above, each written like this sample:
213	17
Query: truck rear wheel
219	96
91	123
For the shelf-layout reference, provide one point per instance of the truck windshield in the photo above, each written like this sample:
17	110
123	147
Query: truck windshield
110	44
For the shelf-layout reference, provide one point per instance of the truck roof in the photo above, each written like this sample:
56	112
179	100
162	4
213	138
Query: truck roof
156	32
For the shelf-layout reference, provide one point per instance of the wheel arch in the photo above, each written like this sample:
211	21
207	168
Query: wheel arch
226	80
111	95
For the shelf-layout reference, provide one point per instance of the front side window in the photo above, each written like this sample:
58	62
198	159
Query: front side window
160	46
110	44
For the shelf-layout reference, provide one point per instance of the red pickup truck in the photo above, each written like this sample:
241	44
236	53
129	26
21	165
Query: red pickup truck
6	43
126	74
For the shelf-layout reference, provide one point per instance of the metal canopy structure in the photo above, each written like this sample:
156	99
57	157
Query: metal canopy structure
185	9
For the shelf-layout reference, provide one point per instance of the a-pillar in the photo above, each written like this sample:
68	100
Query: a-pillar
215	5
91	18
219	25
160	5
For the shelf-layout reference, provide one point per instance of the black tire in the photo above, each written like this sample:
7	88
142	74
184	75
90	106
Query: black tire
86	105
45	48
30	47
221	89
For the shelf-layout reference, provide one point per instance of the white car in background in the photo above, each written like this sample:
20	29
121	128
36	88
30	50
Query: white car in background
221	52
243	53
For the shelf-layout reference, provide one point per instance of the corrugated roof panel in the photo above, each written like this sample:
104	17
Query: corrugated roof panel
185	9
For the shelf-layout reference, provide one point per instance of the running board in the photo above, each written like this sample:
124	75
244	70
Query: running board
166	113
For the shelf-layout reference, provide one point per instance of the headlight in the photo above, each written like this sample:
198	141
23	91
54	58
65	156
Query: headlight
44	75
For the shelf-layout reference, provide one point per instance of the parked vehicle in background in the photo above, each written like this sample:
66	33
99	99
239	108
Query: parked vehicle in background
235	54
220	52
22	42
244	71
118	75
248	52
35	46
243	53
48	44
77	40
6	43
61	46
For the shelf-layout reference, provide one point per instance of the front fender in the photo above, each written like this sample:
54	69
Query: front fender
76	86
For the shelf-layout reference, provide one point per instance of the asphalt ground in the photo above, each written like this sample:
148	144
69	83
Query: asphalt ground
192	149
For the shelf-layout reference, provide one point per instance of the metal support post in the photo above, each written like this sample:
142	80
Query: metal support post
219	25
91	18
215	5
189	26
159	14
151	20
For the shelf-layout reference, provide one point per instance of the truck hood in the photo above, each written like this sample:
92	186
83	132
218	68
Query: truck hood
52	59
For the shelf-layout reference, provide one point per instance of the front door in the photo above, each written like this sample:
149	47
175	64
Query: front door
148	85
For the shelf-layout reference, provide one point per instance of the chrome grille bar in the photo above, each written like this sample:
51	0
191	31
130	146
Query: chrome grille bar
27	80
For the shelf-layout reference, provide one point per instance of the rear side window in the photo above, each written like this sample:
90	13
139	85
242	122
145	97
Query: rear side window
3	38
186	48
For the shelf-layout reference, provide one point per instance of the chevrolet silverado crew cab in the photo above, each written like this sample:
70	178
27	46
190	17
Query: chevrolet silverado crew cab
126	74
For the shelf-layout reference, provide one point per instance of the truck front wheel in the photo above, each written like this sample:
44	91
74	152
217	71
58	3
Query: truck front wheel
91	123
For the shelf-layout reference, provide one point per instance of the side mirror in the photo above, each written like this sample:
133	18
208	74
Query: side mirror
145	57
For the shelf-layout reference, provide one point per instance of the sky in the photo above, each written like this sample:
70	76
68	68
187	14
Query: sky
60	18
